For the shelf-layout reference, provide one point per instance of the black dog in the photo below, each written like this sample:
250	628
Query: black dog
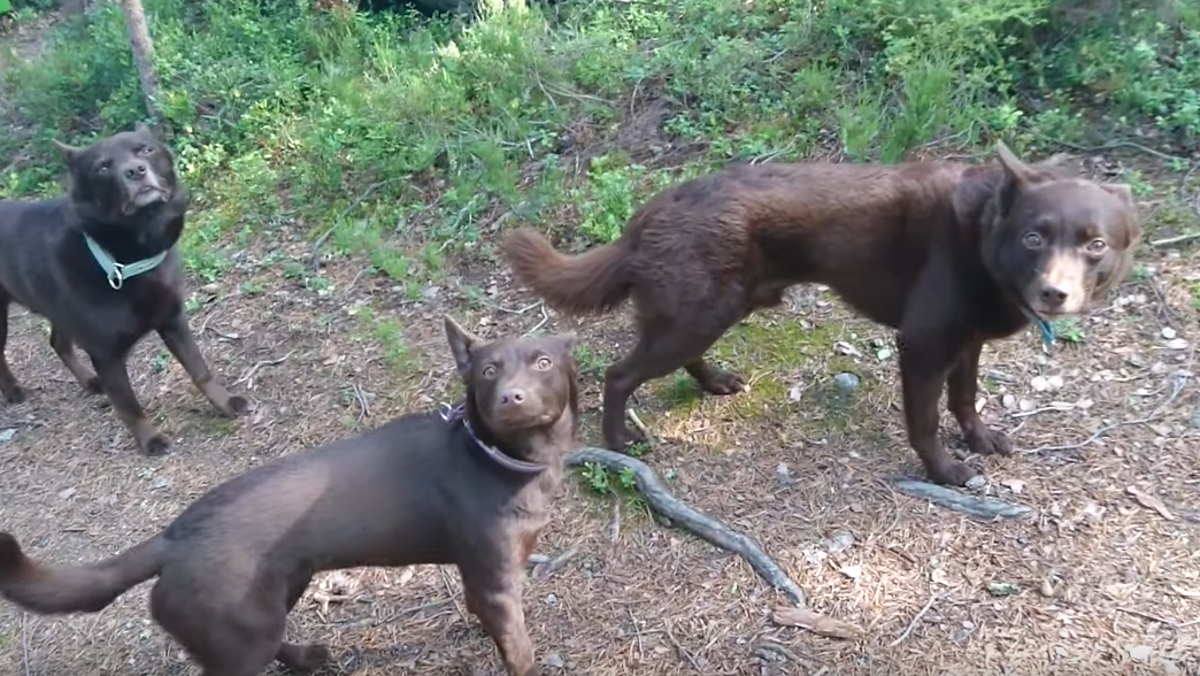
101	265
471	487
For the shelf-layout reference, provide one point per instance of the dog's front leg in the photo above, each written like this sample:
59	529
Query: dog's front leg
495	597
177	336
114	378
962	386
923	370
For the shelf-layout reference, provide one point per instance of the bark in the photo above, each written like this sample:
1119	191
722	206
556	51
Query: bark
143	55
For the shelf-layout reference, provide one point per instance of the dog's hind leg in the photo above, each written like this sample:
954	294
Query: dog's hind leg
65	349
9	384
962	386
665	345
115	380
495	597
178	338
301	658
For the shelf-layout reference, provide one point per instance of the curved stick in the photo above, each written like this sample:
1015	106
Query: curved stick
708	528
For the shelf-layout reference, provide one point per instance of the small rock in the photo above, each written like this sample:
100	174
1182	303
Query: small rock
66	494
1046	589
8	434
554	661
852	572
1177	344
1003	589
1026	405
976	482
1014	485
1055	382
1040	383
794	392
783	475
1140	653
160	482
1009	401
551	600
846	382
430	293
840	542
1168	333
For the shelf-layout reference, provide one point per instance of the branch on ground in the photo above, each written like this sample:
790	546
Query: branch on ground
698	523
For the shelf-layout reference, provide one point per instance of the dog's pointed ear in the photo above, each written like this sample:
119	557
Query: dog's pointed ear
143	129
68	153
461	342
567	342
1121	191
1017	177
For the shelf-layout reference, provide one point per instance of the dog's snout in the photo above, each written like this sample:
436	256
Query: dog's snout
514	396
1053	296
136	171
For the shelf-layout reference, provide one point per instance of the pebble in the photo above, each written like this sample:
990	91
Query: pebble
1177	344
554	661
783	475
551	600
840	542
846	382
1168	333
1009	401
160	482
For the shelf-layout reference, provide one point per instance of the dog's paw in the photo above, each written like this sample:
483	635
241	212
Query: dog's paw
308	658
236	406
951	473
157	445
988	441
15	395
723	383
93	386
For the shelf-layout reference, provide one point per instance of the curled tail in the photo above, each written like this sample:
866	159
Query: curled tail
591	282
53	590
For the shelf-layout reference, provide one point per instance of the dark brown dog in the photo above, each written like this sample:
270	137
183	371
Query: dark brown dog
950	255
101	265
471	487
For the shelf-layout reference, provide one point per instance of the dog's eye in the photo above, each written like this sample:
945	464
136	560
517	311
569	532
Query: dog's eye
147	150
102	169
1032	240
544	363
489	371
1097	246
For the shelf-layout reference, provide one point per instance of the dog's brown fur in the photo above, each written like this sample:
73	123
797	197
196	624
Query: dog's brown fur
951	255
419	489
125	195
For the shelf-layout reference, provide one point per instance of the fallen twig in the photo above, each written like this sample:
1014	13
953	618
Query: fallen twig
1167	241
1178	387
25	645
984	508
248	378
364	407
913	623
704	526
683	653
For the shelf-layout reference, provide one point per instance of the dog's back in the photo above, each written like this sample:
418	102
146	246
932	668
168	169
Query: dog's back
28	228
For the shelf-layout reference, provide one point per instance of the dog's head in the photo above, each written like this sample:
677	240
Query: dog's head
516	385
116	178
1054	242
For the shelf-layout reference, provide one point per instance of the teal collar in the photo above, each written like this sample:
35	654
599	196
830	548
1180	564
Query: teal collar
116	272
1043	326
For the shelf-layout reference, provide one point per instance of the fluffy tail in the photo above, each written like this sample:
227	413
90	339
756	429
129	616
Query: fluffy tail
54	590
591	282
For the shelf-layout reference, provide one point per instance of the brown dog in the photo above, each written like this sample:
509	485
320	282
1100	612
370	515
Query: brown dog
950	255
471	487
101	265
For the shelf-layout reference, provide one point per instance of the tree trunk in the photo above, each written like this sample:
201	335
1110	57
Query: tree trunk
143	55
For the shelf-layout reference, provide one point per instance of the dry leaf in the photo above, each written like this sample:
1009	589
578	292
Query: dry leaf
814	622
1150	502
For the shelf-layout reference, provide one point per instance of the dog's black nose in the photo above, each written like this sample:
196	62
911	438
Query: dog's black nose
515	396
1053	296
136	171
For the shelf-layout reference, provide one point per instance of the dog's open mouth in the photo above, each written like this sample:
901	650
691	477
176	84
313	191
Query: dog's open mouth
146	196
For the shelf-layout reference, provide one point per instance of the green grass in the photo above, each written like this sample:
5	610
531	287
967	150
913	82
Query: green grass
407	139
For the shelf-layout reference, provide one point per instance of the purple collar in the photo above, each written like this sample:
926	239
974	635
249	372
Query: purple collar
458	412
